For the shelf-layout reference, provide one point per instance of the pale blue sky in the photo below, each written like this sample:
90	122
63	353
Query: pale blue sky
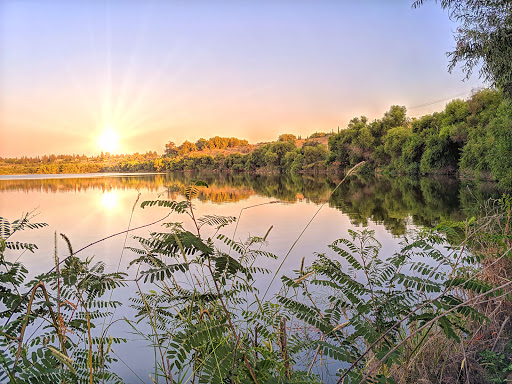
160	70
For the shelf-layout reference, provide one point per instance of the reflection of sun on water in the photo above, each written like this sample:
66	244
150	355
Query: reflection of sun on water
109	199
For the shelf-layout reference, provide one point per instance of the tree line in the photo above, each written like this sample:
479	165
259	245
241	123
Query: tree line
216	142
470	137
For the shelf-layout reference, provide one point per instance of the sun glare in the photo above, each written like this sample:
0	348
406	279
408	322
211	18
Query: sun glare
109	140
109	199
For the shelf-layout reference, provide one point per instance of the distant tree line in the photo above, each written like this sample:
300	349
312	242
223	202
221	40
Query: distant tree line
49	159
472	137
54	164
281	156
216	142
45	159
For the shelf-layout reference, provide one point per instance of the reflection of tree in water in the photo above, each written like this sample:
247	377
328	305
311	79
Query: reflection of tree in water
391	201
282	187
293	187
77	184
473	195
384	200
363	200
221	188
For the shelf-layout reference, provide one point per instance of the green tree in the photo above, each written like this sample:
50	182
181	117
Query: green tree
201	144
411	154
294	160
500	154
271	159
170	149
439	156
395	117
426	125
256	159
314	154
287	137
218	142
395	140
454	121
235	142
364	139
187	147
484	36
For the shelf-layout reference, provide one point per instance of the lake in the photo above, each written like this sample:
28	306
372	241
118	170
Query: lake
89	207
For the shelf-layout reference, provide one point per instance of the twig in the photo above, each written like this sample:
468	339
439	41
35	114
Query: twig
115	234
54	319
499	333
352	170
284	346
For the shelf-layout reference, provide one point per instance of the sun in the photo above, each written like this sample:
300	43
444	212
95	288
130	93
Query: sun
109	140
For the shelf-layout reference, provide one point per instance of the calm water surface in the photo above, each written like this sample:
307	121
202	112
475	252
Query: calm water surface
89	207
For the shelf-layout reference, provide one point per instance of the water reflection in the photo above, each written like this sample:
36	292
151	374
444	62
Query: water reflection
80	184
109	199
392	202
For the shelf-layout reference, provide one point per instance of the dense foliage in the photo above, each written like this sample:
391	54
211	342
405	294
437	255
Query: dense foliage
64	305
276	157
216	142
472	136
52	164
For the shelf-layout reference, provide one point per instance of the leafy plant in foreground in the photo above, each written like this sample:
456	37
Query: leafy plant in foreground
380	313
47	335
350	315
207	322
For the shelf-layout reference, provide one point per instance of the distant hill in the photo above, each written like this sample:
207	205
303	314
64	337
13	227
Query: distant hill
244	149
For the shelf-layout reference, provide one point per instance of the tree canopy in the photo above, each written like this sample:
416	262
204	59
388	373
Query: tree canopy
484	36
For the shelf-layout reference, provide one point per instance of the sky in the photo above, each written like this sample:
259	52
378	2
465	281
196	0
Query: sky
156	71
